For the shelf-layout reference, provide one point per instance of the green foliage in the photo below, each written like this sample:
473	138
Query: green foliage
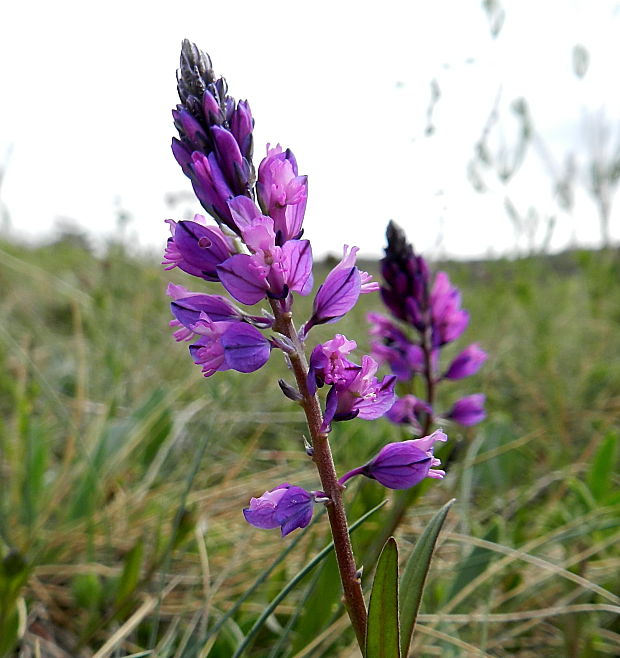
414	576
124	472
382	632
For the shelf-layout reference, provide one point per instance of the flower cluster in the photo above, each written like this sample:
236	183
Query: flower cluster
256	252
433	313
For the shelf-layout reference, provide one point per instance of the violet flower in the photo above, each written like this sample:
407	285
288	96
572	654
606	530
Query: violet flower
285	506
403	464
329	365
468	410
435	317
467	363
363	396
214	148
196	248
340	291
282	194
228	346
269	270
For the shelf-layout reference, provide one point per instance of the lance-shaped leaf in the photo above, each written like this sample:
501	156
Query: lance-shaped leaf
382	629
414	576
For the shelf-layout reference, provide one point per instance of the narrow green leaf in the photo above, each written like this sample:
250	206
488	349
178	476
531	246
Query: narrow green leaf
130	575
296	579
382	629
600	477
414	576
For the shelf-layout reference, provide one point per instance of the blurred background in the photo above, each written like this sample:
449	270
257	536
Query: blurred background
484	128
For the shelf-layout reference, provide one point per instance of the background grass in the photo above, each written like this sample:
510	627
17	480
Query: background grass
124	472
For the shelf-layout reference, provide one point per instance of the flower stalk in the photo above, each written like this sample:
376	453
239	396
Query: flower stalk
322	457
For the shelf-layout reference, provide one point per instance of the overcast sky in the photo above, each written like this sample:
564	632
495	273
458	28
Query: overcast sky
85	122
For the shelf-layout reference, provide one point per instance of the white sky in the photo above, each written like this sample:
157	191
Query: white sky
88	89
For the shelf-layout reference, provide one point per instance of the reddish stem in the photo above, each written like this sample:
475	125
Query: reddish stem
353	597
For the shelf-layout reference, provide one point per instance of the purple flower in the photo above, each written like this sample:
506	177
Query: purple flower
329	365
409	410
214	148
448	319
364	396
405	279
228	346
467	363
468	410
282	194
273	272
403	464
404	357
340	291
285	506
196	248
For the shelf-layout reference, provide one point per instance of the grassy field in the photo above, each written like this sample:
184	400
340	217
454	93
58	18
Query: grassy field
124	473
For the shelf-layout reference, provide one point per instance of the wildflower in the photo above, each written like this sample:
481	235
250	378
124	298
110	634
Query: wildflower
285	506
271	270
228	346
329	365
403	464
468	410
282	194
364	396
196	248
467	363
340	291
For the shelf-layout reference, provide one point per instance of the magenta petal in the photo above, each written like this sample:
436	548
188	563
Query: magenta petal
245	348
298	258
244	278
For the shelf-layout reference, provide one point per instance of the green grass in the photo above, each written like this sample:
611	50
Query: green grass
124	472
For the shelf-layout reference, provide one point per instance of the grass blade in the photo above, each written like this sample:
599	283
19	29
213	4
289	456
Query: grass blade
414	576
382	629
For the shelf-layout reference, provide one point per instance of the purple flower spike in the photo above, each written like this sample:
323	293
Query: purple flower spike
406	279
468	410
286	506
403	464
214	147
228	346
282	194
467	363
